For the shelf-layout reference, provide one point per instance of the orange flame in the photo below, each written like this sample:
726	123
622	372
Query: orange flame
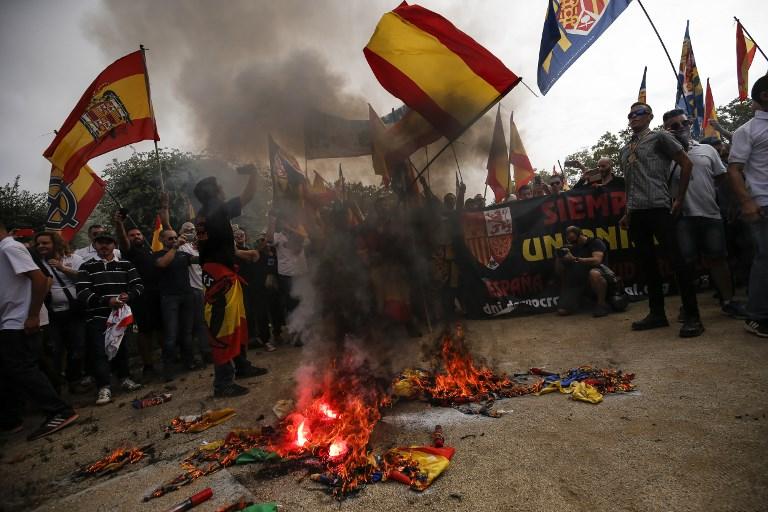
301	435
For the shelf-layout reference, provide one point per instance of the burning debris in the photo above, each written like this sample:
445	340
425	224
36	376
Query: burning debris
114	461
200	422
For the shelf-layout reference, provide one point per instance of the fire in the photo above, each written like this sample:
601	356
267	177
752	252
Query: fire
301	435
115	460
337	448
325	409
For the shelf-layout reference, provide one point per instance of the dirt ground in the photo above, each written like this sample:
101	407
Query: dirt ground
693	437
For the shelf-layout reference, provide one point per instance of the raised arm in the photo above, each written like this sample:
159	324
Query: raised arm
118	221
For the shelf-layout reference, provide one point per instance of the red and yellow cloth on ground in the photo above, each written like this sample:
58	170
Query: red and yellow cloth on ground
418	466
224	312
113	112
436	69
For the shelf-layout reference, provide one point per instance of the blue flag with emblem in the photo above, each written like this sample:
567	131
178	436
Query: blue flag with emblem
690	93
571	26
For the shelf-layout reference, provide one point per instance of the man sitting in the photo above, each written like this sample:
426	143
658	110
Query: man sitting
580	263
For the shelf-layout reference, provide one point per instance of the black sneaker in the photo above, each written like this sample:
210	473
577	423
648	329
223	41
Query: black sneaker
691	328
249	371
230	391
52	424
651	321
757	328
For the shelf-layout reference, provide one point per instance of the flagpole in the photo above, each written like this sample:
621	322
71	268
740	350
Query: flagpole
465	128
671	64
750	36
152	111
509	171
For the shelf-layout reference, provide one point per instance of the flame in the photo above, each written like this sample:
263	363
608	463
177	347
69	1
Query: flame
301	435
115	460
337	448
325	409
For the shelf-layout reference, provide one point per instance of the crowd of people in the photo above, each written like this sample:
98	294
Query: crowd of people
208	295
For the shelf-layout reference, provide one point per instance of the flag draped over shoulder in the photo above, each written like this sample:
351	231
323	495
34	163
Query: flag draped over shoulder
709	113
328	136
690	97
570	27
436	69
157	228
745	53
498	163
70	203
641	96
518	157
113	112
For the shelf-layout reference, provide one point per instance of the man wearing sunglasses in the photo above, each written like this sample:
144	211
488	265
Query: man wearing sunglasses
700	229
651	212
749	161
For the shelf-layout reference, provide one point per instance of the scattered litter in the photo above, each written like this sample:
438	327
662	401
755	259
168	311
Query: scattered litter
283	408
193	501
151	399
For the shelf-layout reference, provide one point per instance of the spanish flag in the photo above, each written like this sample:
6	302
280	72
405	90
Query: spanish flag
436	69
113	112
224	312
745	52
498	163
157	245
709	113
518	157
71	203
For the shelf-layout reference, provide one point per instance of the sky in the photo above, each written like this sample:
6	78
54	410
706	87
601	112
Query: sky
51	50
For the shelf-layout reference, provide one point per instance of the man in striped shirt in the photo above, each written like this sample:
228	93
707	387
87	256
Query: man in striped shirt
103	284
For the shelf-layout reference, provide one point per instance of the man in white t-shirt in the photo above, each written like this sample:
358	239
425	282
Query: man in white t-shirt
291	262
748	161
89	252
700	228
21	299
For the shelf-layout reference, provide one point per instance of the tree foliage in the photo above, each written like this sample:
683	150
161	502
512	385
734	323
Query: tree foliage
135	184
735	114
22	208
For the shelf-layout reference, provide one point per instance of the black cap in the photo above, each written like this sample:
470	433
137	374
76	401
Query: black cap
105	236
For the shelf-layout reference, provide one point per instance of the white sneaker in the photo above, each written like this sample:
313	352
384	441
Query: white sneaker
270	347
105	396
130	385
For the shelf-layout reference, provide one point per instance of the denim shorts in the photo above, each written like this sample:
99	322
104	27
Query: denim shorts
701	236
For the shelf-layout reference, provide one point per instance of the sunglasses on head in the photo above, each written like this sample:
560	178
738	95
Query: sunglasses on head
679	126
638	113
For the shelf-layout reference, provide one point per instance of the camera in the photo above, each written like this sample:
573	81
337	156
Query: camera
562	251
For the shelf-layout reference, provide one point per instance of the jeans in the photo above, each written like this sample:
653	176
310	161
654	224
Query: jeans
757	303
20	373
701	236
67	334
224	374
177	314
658	223
102	367
199	329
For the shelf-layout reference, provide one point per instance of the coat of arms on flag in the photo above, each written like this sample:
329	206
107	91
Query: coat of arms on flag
489	235
105	113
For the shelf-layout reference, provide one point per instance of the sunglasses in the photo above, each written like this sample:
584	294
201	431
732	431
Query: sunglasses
637	113
679	126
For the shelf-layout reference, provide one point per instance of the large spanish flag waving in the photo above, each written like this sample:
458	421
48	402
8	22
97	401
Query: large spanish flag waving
70	203
498	163
113	112
436	69
745	53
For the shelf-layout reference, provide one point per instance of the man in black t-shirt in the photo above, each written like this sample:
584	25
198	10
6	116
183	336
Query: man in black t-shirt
146	308
176	302
580	264
224	308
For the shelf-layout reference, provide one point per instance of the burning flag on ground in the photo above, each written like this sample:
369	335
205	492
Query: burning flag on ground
418	466
114	461
200	422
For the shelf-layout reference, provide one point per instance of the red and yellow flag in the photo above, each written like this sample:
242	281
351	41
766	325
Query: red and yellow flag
745	52
518	157
436	69
709	113
113	112
157	245
71	203
498	163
